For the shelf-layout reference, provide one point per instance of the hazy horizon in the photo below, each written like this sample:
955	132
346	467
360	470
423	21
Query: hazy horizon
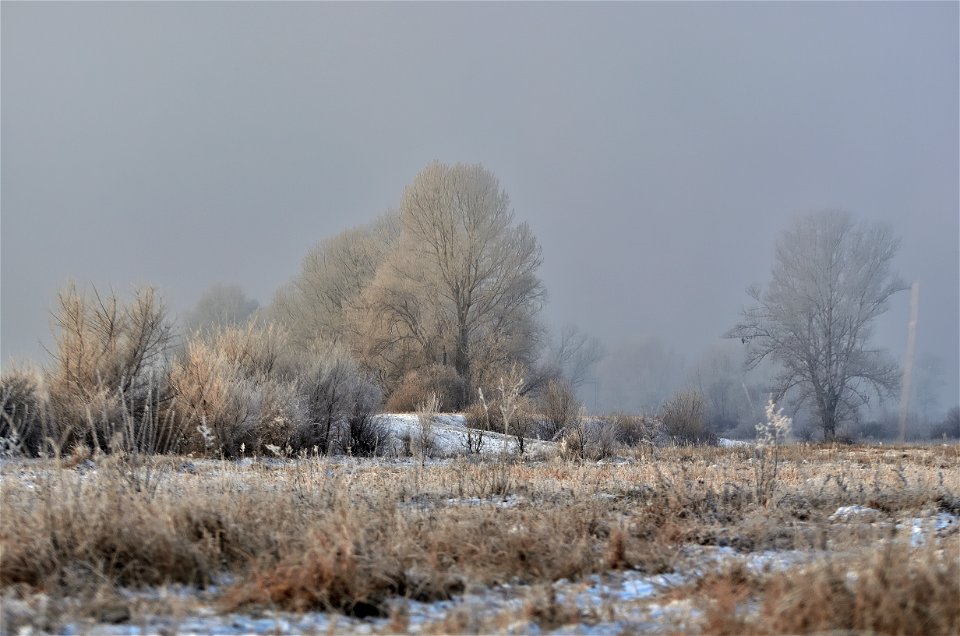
657	150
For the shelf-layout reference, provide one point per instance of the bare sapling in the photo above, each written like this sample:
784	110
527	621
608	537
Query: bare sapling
474	439
510	398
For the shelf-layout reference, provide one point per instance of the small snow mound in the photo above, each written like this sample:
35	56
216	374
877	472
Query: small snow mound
723	442
846	513
941	524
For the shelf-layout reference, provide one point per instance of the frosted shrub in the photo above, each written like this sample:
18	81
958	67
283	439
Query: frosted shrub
684	418
339	400
109	361
218	407
23	407
512	409
770	436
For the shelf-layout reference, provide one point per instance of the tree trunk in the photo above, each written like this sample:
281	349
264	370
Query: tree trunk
462	355
828	420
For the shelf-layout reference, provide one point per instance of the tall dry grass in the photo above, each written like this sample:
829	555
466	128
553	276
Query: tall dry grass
349	535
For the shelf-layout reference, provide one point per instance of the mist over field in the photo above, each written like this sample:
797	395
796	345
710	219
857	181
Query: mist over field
476	318
656	152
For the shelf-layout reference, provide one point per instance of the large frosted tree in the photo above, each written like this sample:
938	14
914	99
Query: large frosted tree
831	281
323	300
462	288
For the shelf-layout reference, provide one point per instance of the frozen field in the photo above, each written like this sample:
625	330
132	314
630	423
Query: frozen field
659	540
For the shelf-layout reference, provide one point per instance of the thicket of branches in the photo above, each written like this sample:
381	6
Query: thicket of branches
441	296
440	300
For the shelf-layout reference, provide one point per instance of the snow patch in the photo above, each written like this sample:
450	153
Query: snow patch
449	435
854	512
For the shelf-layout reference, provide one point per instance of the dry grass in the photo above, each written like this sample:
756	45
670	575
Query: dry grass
349	535
895	589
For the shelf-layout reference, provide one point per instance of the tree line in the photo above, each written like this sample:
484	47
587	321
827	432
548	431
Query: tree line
441	298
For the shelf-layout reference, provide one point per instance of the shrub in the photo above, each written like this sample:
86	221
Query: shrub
631	430
684	419
257	350
418	385
950	426
425	438
110	360
588	438
235	392
559	407
364	436
217	405
577	438
23	409
488	419
338	398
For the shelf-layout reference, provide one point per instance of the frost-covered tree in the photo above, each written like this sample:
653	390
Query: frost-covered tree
323	300
831	281
462	287
220	306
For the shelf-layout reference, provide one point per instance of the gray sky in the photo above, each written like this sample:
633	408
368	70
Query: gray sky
656	149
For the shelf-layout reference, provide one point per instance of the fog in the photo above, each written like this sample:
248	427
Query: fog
657	150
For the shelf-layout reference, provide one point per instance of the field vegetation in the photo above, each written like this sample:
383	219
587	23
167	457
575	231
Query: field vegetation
360	538
244	466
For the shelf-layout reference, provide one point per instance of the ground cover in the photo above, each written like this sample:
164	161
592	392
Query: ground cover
655	539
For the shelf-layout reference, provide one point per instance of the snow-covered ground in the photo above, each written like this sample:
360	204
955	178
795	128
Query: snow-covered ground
611	603
448	433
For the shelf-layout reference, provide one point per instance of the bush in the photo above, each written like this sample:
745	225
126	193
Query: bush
419	385
218	406
631	430
240	390
484	419
257	350
588	439
684	419
235	393
949	428
23	410
559	407
110	360
338	400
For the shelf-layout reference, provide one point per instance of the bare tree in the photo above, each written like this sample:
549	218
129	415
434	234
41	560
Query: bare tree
109	360
220	306
720	377
322	301
575	353
569	358
831	280
462	289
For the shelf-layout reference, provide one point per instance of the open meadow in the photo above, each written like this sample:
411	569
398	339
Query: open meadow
690	539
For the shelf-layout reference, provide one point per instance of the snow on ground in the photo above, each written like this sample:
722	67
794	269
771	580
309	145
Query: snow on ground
609	603
723	442
920	528
854	513
449	433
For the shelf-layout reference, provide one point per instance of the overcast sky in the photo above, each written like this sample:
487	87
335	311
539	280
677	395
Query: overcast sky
656	149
